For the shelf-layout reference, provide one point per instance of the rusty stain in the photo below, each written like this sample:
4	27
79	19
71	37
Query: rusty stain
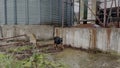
93	43
90	39
57	32
93	38
73	36
108	37
64	38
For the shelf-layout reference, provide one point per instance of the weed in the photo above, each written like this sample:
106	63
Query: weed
35	61
20	49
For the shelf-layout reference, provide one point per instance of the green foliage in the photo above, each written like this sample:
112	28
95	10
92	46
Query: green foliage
35	61
39	60
20	49
7	61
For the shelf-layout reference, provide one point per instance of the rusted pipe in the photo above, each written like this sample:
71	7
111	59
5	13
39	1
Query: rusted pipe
110	12
118	12
105	12
63	13
79	12
12	37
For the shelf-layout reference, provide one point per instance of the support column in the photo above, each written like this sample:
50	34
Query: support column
5	10
63	2
93	4
105	11
85	11
81	10
27	12
15	12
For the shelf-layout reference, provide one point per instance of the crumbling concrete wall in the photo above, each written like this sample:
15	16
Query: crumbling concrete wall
42	32
104	39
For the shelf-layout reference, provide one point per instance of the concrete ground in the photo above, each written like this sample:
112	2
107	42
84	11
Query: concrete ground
80	59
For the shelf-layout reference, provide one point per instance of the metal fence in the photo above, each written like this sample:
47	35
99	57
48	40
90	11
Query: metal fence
33	12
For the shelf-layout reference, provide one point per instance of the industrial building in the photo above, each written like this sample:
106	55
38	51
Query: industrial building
54	11
35	12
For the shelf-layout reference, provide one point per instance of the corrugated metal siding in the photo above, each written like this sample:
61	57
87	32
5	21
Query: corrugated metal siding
69	9
55	10
45	11
21	12
31	11
2	18
10	12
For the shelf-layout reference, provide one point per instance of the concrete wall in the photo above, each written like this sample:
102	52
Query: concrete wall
42	32
100	38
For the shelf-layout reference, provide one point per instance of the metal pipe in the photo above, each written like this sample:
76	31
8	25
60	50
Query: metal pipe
66	11
71	9
118	13
85	11
5	10
63	13
72	17
94	8
105	12
15	12
13	37
40	10
110	12
27	12
79	12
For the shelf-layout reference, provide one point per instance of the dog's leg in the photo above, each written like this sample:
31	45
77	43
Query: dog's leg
55	46
62	46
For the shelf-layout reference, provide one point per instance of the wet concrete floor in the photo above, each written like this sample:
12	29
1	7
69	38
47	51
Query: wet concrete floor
81	59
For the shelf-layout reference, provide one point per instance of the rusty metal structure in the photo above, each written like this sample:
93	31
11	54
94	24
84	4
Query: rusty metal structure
105	13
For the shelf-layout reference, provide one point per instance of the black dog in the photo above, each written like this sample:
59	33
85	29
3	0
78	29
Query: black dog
58	42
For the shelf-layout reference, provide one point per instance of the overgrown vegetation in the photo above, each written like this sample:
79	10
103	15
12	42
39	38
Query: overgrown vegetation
35	60
19	49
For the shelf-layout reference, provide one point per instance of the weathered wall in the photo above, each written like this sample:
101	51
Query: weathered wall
42	32
101	38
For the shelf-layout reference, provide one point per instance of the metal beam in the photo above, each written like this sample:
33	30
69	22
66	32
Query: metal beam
63	2
93	5
15	12
79	12
5	10
105	12
27	12
85	11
